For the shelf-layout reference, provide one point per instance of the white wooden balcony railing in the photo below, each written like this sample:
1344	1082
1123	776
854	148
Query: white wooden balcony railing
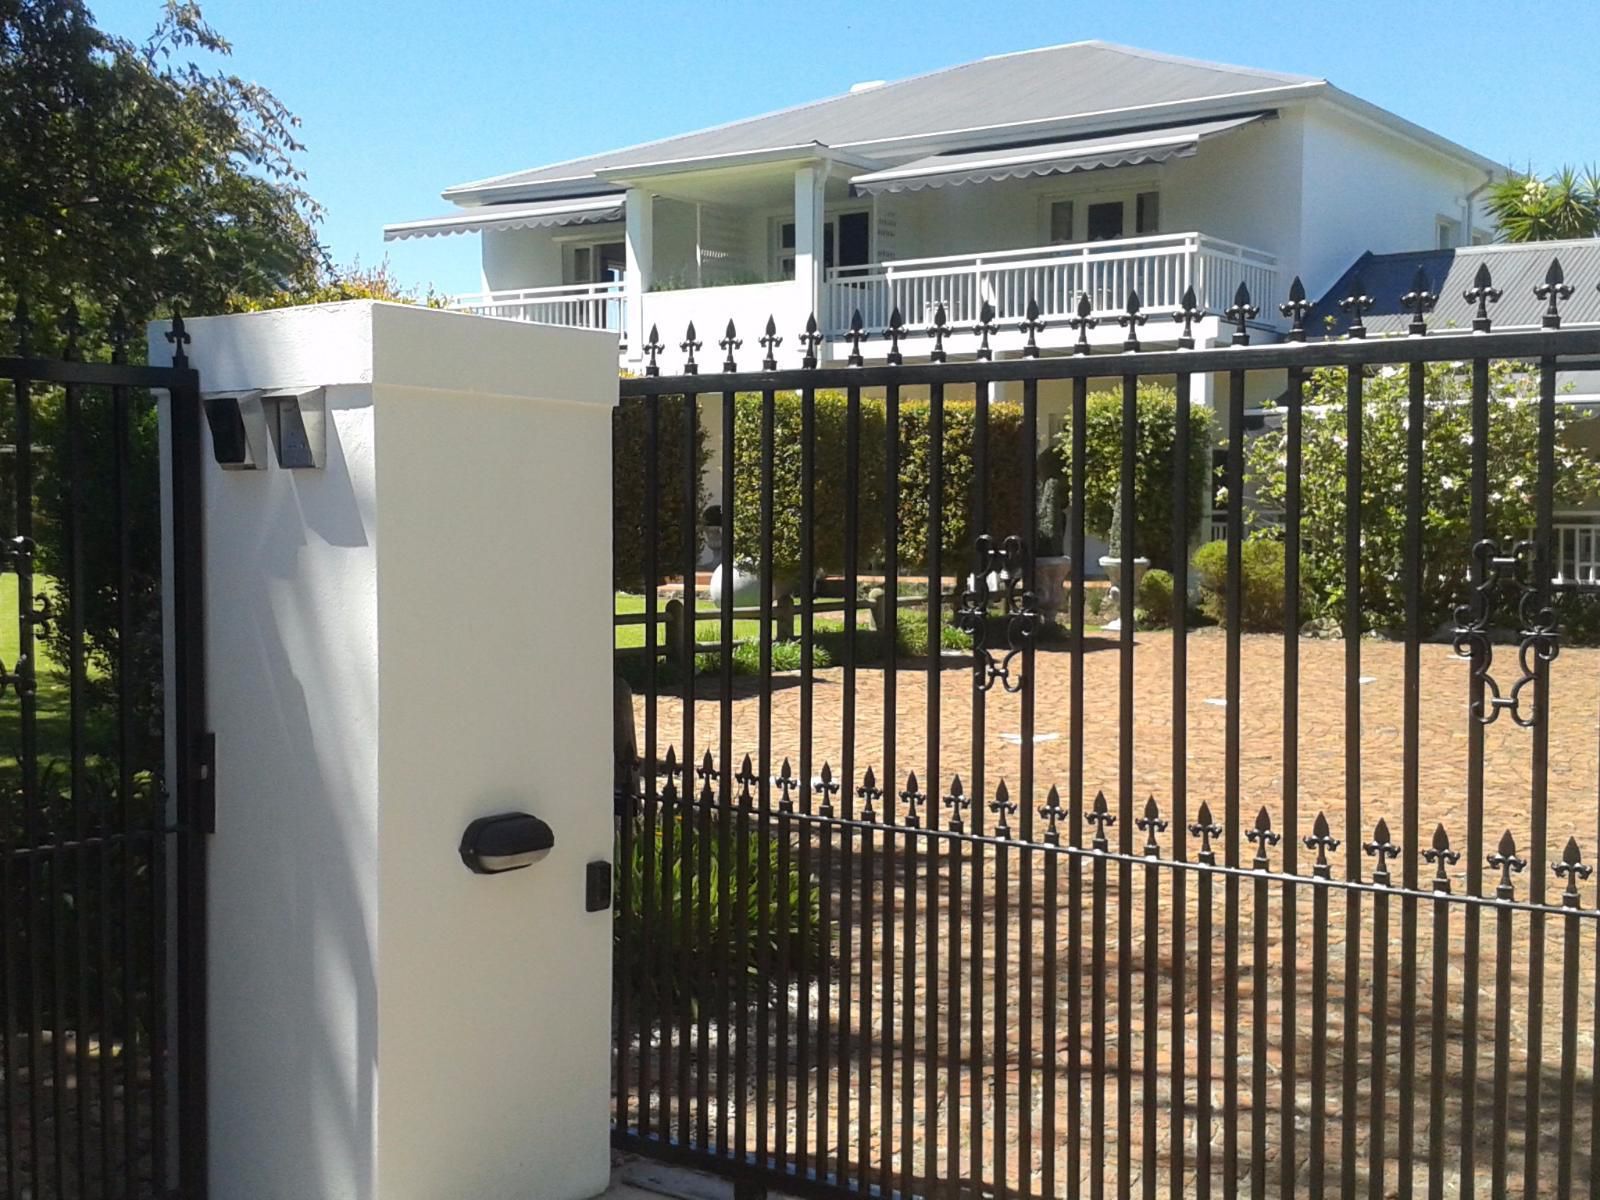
1577	551
1159	268
582	305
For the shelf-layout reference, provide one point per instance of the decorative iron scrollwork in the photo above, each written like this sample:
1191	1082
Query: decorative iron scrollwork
1496	573
998	578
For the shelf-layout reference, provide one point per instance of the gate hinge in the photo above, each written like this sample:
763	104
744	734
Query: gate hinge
205	783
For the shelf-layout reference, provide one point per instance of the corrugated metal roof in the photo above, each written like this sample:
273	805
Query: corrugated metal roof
584	211
1032	87
1053	158
1515	269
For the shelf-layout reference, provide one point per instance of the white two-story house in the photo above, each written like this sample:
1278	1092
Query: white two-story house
1085	169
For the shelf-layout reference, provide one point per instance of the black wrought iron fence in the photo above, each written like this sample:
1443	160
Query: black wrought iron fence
101	991
1186	911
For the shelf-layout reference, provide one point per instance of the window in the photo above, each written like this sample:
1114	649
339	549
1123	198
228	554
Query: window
1449	233
1061	224
599	262
1148	212
846	242
1105	221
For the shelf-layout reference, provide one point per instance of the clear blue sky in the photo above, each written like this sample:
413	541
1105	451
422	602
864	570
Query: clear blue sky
402	98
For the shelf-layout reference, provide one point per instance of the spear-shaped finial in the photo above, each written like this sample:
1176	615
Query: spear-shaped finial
984	329
957	801
939	329
1262	836
689	345
1441	857
912	796
855	336
1130	319
1296	308
1100	817
810	339
868	792
1572	868
1083	321
22	324
1151	823
896	331
1419	301
178	338
1052	812
1189	311
1031	327
1003	807
1505	858
1323	842
1383	848
72	327
1554	289
120	333
770	341
1241	312
708	768
729	343
1205	828
828	789
1482	293
1355	306
653	347
786	784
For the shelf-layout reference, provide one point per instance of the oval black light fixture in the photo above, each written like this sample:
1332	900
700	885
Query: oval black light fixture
505	842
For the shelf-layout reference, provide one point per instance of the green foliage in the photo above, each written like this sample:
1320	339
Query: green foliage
1155	599
1530	208
1261	572
1447	449
631	507
1052	520
670	945
330	285
1155	449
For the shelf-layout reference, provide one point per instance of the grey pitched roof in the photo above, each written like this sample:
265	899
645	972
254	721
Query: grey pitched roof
1515	269
1028	89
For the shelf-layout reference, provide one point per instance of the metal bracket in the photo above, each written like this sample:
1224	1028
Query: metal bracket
238	429
297	422
998	577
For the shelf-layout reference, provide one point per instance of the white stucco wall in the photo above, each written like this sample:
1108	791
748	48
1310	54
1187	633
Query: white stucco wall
387	661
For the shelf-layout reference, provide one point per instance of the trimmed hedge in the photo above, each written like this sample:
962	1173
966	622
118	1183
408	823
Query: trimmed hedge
1155	465
1261	562
629	504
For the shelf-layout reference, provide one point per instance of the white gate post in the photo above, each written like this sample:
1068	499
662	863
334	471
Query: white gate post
413	635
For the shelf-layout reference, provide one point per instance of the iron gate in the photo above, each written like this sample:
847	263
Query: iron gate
103	768
1069	912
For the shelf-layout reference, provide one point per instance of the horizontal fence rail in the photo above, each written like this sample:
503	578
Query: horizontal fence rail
979	899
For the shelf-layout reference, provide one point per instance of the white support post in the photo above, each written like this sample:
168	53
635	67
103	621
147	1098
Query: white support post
412	636
808	236
640	236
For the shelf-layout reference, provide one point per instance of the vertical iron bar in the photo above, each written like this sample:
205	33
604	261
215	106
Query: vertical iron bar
764	934
952	848
1075	731
1352	773
906	846
648	849
1230	821
808	489
672	828
852	520
78	750
1293	456
1473	917
1152	1007
1203	979
1319	1023
1411	836
1380	1041
1126	594
1049	1035
1261	977
1566	1128
1180	769
1097	1019
980	519
1002	987
955	854
1499	1154
730	1088
1030	510
1440	1035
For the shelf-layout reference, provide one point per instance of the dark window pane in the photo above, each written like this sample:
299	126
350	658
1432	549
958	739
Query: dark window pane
853	239
1149	218
786	235
1105	221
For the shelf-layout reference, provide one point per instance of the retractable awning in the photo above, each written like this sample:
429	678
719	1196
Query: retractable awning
585	210
1125	149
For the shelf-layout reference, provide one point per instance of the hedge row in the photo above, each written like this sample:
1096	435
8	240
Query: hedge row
630	505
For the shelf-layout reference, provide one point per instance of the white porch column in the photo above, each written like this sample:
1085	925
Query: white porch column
641	235
808	237
412	636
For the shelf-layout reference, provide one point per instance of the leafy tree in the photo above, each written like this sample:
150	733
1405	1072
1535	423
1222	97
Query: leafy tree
1530	208
1447	471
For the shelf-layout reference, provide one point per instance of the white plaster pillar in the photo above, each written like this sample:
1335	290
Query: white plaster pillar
808	236
640	236
413	636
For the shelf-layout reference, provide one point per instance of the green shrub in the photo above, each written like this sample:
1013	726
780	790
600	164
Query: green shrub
1155	599
1447	457
1155	465
1006	502
1261	572
660	942
629	503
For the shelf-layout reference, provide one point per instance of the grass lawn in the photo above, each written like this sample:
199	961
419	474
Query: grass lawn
709	628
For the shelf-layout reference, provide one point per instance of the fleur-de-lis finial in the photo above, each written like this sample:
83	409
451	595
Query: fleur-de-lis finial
707	769
1482	293
785	783
729	343
1262	836
1241	312
1419	301
828	789
119	335
1189	311
178	338
1151	823
912	796
1052	812
1572	868
984	329
1130	319
868	792
857	333
669	791
810	339
1355	306
939	329
770	341
689	345
669	765
706	796
1031	328
22	323
1505	858
1554	289
1323	842
1383	848
1205	828
1003	806
1441	857
1296	308
653	347
1083	321
896	331
957	801
71	326
1100	817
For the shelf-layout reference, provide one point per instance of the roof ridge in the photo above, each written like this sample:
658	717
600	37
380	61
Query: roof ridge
1207	64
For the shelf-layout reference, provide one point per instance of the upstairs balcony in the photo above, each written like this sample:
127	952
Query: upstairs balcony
579	305
1160	268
